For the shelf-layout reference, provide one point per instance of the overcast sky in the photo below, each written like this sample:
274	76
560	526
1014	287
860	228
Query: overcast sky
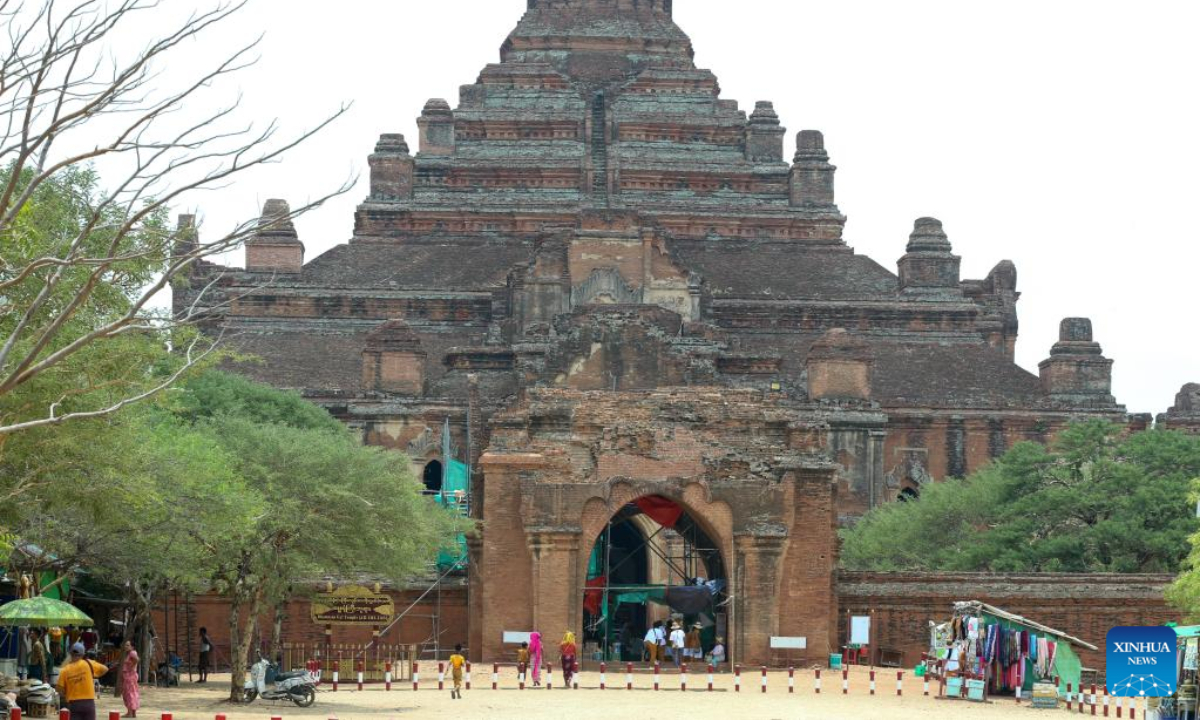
1063	135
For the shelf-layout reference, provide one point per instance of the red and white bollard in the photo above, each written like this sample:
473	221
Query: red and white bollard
335	678
657	670
1120	705
359	669
764	678
710	677
872	682
65	714
926	679
441	676
1017	695
467	677
603	674
1095	699
15	713
1070	698
521	676
899	683
575	676
549	676
387	675
791	680
683	677
416	675
1105	701
737	678
817	682
628	676
845	681
167	716
495	676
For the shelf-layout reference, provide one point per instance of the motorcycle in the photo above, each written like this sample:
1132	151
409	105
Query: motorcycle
298	686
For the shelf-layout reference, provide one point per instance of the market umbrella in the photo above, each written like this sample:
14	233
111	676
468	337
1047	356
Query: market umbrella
41	612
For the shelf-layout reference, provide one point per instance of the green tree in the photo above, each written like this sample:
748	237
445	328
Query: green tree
330	506
1094	500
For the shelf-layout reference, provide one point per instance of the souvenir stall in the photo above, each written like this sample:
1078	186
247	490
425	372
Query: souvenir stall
37	698
1187	649
983	650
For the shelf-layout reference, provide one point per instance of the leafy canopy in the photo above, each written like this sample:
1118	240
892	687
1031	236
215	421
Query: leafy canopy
1095	500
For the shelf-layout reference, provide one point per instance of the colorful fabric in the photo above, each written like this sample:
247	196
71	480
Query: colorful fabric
661	510
593	595
535	656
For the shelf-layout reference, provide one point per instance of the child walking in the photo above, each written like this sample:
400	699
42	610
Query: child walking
457	661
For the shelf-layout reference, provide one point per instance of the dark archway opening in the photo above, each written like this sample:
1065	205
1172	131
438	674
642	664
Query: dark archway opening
908	495
432	477
653	562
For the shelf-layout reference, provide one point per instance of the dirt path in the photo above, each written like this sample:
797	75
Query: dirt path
204	702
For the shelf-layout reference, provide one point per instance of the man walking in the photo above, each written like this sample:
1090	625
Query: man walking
77	683
205	654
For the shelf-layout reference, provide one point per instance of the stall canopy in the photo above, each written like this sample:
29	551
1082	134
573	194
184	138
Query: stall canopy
1067	665
42	612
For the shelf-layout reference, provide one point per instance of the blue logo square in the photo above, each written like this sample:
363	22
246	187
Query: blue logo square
1141	662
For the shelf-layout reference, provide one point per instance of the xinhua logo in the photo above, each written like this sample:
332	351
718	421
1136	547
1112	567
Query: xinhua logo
1141	662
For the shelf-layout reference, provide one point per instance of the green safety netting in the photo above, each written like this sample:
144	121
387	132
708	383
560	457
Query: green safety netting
453	495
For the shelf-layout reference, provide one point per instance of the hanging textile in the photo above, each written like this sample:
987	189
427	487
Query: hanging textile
661	510
689	600
594	594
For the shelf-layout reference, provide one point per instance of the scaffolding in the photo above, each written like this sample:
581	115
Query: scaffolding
686	552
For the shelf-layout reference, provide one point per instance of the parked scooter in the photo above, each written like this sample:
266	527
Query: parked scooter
265	681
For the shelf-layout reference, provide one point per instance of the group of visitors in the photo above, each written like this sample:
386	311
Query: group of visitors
531	655
676	645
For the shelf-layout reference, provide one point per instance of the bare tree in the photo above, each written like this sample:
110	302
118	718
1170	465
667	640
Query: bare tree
66	103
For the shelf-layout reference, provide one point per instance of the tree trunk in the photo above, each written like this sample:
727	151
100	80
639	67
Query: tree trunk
277	628
237	662
241	640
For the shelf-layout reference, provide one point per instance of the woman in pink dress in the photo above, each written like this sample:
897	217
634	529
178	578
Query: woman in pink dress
535	657
130	692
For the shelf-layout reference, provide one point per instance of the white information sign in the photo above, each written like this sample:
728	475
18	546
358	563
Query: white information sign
860	630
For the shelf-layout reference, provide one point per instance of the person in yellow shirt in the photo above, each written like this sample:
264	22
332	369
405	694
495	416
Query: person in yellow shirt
77	684
457	661
523	659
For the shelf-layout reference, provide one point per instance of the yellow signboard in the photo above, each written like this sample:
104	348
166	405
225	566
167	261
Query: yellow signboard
352	605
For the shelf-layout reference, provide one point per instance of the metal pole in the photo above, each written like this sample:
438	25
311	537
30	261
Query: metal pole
607	582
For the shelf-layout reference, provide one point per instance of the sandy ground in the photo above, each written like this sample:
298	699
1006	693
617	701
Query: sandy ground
204	702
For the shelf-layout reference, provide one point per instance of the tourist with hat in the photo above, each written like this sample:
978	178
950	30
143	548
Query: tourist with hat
678	643
77	683
692	646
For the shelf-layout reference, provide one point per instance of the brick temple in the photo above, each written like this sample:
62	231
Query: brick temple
612	283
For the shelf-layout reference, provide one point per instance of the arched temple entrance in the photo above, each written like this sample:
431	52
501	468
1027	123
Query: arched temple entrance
652	562
650	479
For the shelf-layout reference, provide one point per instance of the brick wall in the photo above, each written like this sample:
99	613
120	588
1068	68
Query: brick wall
1085	606
212	612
